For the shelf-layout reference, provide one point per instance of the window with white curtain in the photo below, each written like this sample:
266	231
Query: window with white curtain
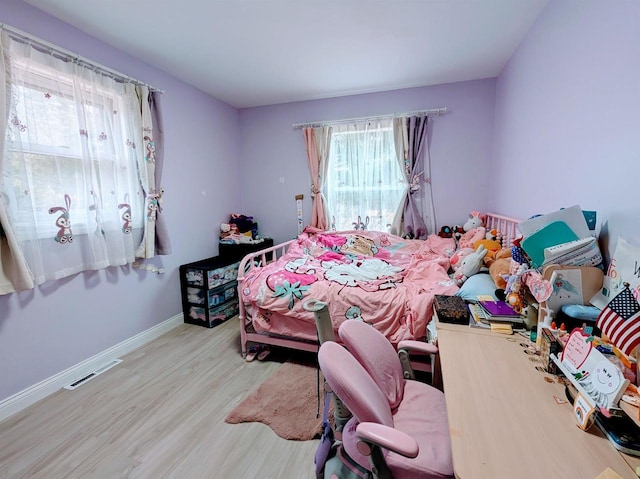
364	182
71	165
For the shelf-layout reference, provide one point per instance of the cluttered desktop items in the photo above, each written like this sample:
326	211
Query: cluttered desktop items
571	341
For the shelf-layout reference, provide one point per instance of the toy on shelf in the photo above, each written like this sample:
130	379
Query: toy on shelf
240	229
227	230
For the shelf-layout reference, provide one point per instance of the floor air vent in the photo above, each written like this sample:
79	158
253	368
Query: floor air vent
79	382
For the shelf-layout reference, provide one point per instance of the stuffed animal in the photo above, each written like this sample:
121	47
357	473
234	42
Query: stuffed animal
446	232
476	219
499	270
490	245
492	256
457	231
458	256
228	229
470	237
470	265
516	302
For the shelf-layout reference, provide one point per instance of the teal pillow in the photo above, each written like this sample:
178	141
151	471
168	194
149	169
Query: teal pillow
478	284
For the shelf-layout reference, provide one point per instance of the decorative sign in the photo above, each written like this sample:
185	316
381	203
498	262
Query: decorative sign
576	350
596	378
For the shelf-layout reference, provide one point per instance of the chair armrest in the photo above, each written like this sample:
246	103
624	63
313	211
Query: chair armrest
389	438
418	346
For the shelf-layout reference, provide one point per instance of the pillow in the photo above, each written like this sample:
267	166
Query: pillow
476	285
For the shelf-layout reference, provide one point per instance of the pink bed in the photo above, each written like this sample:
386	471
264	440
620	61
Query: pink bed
371	276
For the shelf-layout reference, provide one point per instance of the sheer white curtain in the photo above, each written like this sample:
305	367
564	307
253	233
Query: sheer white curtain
364	180
14	271
70	164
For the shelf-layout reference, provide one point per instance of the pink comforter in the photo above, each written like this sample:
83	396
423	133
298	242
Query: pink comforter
369	276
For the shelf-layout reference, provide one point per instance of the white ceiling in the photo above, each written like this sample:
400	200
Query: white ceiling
261	52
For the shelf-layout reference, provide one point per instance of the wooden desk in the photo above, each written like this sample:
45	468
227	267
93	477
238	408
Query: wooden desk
504	420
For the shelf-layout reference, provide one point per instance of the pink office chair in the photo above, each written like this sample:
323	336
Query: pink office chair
399	427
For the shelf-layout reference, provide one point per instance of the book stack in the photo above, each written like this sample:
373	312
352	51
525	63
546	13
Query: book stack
500	311
487	313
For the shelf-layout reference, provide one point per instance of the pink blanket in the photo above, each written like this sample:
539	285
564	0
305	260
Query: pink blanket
369	276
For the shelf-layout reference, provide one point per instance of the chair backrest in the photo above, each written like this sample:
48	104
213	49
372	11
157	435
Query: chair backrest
353	385
377	355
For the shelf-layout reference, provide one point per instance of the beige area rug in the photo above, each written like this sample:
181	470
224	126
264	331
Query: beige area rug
287	402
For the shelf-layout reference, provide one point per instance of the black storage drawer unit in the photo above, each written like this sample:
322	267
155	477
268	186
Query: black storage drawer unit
212	297
238	251
209	291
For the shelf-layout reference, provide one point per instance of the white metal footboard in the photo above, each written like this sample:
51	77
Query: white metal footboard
253	260
506	226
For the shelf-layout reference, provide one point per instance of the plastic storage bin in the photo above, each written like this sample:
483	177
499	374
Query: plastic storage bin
209	291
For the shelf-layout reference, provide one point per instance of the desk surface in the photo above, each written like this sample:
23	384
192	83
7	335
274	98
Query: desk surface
504	420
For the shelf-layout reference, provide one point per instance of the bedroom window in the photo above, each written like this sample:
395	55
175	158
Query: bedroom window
77	182
371	173
50	154
364	179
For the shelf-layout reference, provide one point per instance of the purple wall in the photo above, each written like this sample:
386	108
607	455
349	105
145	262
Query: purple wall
460	150
61	323
566	126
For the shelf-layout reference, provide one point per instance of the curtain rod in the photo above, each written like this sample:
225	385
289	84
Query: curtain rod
27	38
428	112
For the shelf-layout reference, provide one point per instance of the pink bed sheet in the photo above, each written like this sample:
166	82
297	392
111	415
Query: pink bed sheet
370	276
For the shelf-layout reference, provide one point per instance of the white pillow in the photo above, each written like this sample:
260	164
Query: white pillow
478	284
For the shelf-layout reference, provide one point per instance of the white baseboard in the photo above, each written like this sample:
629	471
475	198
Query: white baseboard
32	394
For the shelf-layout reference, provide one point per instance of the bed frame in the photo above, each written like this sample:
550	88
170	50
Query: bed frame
256	260
507	227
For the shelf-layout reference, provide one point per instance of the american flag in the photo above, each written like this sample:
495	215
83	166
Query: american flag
620	321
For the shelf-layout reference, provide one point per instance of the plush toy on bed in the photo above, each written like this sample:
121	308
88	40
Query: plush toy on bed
492	245
471	237
457	231
470	265
499	271
458	256
474	230
476	219
446	232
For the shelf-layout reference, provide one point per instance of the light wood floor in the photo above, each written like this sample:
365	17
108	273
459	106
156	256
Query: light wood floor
158	414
